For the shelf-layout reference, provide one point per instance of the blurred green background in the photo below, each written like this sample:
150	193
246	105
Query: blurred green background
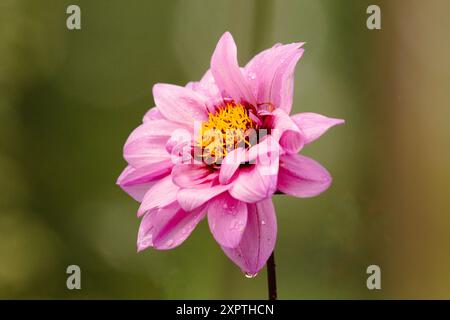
69	99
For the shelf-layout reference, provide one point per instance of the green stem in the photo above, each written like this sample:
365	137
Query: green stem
271	277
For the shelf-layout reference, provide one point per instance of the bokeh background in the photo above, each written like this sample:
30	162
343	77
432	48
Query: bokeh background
69	99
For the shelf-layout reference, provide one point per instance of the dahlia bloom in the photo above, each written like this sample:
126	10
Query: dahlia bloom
221	147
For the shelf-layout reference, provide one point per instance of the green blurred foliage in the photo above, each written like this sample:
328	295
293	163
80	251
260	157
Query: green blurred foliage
69	99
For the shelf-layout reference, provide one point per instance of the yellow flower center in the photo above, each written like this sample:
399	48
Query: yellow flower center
225	130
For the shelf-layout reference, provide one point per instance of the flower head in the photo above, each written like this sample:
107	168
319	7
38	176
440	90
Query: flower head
221	147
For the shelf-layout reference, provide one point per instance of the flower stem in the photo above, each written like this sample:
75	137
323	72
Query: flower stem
271	277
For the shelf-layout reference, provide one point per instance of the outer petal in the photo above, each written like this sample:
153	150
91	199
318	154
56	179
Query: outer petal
227	218
147	143
136	182
258	240
302	177
155	128
192	198
230	164
153	114
287	132
226	71
161	194
272	75
146	151
179	104
313	125
137	192
191	174
168	227
132	176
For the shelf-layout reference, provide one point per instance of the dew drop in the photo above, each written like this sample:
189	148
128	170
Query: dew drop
233	224
250	275
263	222
229	208
251	75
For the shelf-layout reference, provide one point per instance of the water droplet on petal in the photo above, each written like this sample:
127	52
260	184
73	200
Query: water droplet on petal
251	75
263	222
250	275
229	209
239	225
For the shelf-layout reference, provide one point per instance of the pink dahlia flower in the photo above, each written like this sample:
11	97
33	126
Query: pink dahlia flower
221	147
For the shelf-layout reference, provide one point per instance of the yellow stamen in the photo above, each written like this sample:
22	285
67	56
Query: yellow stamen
225	129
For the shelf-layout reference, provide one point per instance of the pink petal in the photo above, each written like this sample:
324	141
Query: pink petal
271	75
145	151
132	176
147	143
192	198
259	181
230	164
227	218
268	148
313	125
190	175
155	128
161	194
302	177
287	132
226	71
179	104
168	227
258	240
136	182
137	192
255	183
152	114
179	146
207	86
